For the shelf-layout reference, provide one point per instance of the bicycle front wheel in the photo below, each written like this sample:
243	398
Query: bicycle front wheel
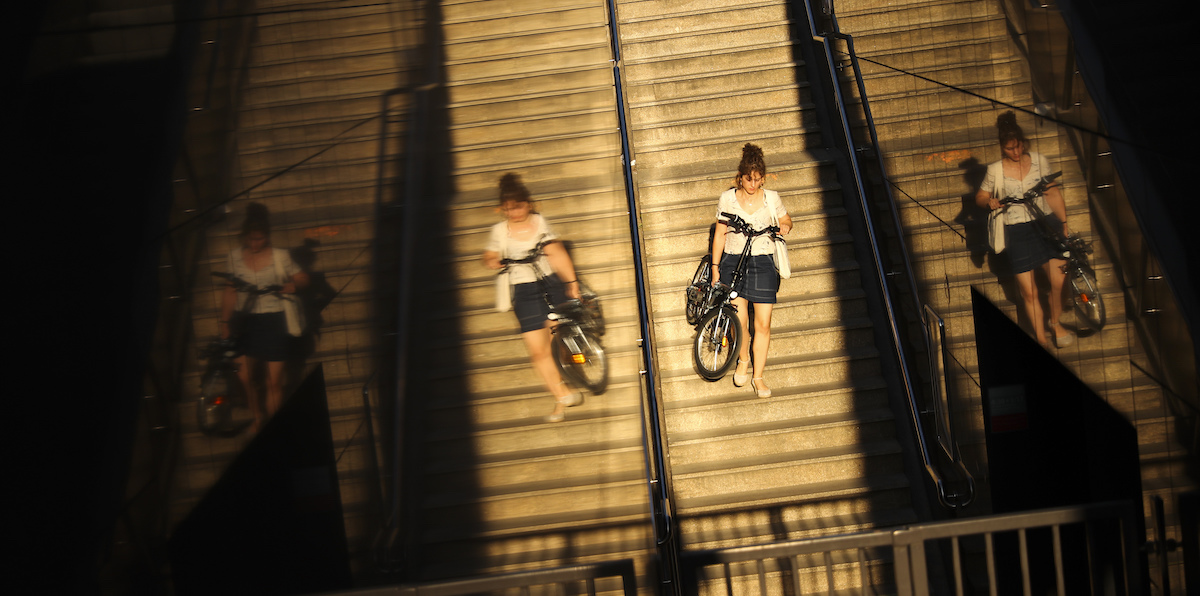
1085	294
581	359
717	340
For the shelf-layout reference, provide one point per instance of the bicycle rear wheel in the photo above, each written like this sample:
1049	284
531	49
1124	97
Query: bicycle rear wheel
716	345
1085	295
581	359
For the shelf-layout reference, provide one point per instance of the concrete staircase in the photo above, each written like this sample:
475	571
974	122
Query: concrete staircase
315	83
928	134
821	456
493	486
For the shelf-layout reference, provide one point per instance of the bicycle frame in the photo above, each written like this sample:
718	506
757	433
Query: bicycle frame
719	294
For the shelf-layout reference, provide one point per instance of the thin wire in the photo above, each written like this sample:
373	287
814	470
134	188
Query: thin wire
1019	108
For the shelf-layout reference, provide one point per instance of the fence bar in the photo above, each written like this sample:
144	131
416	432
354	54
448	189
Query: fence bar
991	564
958	571
1026	584
829	573
864	577
1058	559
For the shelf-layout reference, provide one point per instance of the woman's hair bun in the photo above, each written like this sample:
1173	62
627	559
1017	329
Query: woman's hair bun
1007	121
512	188
752	152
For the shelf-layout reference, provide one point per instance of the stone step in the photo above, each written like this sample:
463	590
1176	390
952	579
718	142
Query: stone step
486	91
685	66
675	350
797	522
667	306
737	486
520	26
749	121
503	408
537	113
622	332
930	36
268	68
673	185
681	26
579	58
572	543
783	374
777	442
662	42
908	17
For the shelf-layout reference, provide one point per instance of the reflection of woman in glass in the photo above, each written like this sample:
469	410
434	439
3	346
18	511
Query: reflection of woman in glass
264	332
760	208
1017	171
520	232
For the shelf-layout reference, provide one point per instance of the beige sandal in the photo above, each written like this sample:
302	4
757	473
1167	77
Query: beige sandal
763	393
739	380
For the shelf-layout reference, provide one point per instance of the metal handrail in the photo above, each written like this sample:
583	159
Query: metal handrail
661	492
520	580
909	548
877	257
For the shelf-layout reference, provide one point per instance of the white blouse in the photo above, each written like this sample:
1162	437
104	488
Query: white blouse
267	276
760	219
502	243
1002	187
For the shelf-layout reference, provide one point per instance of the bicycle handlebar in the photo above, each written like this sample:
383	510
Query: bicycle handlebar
534	254
743	227
1038	190
242	285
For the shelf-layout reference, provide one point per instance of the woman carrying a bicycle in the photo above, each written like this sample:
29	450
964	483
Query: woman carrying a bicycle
263	333
522	230
1017	171
761	208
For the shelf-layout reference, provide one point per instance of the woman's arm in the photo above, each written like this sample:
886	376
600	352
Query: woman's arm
718	249
985	200
785	224
228	301
1058	205
491	259
560	262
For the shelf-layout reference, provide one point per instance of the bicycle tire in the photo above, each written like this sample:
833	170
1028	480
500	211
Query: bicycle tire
718	339
581	359
1086	297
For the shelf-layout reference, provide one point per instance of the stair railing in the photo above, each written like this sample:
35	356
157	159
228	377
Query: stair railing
658	464
948	497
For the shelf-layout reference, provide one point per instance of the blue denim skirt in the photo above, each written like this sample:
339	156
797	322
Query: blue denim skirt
1025	246
529	303
760	283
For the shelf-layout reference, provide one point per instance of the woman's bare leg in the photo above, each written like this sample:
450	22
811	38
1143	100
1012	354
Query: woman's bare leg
1057	278
276	372
762	341
1033	307
538	344
743	316
246	366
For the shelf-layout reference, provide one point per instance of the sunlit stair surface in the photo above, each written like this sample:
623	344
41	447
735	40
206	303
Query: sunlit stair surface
821	456
492	486
931	134
310	147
